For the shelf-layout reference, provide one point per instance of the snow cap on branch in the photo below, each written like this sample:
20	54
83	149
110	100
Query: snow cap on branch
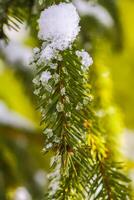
59	25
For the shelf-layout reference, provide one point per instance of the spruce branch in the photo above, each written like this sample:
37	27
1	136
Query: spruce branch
76	160
81	168
65	116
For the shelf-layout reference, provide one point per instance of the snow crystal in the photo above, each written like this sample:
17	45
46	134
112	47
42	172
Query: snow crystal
56	77
53	65
67	99
48	87
37	92
59	25
63	91
36	50
68	114
86	59
47	53
48	132
79	106
59	107
36	80
59	57
45	76
48	146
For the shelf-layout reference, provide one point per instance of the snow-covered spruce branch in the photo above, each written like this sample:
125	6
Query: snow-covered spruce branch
60	84
80	164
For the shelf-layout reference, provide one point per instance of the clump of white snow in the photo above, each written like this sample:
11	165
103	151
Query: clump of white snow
86	59
59	25
45	76
48	53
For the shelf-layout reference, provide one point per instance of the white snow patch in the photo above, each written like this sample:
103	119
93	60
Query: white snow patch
47	53
45	76
59	25
86	59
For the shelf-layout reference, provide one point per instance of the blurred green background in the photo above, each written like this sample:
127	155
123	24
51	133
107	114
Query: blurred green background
108	33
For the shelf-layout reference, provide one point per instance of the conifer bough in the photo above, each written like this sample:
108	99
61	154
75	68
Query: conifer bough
80	165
